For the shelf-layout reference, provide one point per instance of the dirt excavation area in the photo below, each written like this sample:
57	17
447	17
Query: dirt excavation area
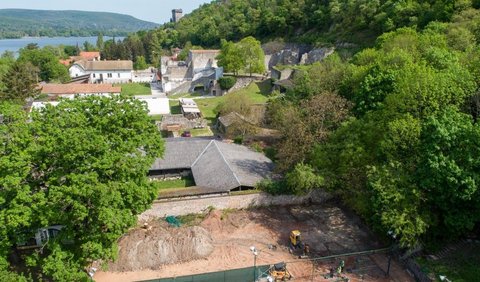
221	240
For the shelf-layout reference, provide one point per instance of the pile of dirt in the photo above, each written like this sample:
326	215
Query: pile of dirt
157	245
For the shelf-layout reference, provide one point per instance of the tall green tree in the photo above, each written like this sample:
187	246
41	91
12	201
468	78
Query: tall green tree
140	63
253	55
230	57
99	41
20	83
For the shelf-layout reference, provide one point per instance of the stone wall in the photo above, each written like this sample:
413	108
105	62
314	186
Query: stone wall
200	204
242	82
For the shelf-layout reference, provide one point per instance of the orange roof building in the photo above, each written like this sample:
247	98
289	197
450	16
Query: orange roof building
70	90
90	56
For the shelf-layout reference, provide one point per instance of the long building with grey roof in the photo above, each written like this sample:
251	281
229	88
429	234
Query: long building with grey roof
214	165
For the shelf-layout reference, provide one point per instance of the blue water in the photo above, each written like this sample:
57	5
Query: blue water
15	44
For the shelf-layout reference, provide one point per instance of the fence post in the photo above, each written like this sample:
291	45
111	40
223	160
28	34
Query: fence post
313	269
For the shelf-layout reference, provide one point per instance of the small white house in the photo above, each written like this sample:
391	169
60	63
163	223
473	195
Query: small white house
103	71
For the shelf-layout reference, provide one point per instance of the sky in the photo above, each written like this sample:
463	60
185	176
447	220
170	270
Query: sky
158	11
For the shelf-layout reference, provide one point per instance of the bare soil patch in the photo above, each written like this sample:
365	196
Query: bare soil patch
221	241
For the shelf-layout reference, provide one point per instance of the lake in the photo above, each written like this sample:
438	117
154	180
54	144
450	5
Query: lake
14	45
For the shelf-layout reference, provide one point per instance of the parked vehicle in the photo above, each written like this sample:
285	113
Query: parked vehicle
41	237
186	134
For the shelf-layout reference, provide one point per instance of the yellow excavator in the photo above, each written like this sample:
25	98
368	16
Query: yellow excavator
279	272
296	244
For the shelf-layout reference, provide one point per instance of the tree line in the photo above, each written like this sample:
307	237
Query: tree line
393	131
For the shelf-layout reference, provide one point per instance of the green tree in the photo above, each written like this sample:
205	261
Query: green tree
252	53
20	83
48	64
230	57
86	170
140	63
227	82
448	171
16	203
87	46
303	179
71	50
99	41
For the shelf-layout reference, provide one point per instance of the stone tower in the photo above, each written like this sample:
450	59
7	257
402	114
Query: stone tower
177	14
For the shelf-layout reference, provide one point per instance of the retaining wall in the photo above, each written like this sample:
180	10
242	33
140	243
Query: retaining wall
183	207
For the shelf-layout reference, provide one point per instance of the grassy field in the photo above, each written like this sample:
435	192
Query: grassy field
132	89
257	91
175	184
460	266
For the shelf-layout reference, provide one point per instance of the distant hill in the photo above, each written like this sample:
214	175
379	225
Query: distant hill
16	23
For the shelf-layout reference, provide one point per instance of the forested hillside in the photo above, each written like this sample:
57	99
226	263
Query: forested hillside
308	21
16	23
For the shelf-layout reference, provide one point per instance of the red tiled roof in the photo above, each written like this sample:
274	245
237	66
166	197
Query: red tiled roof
89	55
58	89
66	62
205	51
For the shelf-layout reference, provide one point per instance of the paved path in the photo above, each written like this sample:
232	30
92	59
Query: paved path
156	91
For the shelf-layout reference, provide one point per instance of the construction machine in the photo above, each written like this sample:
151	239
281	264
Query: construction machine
279	272
297	245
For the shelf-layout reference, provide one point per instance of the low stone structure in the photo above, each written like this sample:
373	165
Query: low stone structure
200	204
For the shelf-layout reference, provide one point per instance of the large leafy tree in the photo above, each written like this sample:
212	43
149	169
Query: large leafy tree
230	57
48	64
449	170
254	58
86	170
17	204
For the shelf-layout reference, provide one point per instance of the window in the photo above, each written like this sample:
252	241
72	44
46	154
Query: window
93	75
118	75
109	75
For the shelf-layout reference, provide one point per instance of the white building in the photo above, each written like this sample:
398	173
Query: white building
103	71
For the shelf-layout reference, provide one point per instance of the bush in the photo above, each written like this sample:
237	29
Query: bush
302	179
227	82
238	140
274	187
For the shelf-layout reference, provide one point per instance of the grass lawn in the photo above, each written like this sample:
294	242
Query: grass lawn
174	184
460	266
201	132
174	107
132	89
157	117
257	91
207	107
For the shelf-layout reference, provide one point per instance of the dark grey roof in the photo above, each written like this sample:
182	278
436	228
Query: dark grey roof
217	165
180	153
212	170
